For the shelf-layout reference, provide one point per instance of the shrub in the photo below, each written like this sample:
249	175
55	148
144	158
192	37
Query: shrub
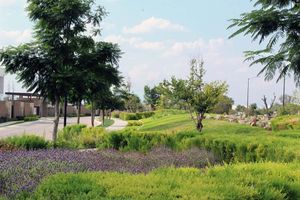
131	139
19	118
115	114
285	122
3	119
31	118
79	136
28	142
135	123
241	181
135	116
4	146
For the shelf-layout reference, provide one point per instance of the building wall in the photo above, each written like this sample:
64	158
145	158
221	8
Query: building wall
5	109
28	109
18	109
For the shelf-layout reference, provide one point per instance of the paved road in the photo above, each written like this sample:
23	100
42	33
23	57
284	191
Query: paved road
42	127
118	125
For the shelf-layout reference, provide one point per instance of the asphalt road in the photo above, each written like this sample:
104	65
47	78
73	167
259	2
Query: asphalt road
42	127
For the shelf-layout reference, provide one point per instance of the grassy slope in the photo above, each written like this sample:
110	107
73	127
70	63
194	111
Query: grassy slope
285	140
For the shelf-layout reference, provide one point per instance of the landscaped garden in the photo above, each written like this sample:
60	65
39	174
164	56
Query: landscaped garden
165	158
171	147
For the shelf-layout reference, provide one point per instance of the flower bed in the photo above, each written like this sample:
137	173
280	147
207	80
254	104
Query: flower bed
22	171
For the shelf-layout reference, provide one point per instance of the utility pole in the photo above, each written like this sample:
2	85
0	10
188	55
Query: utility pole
248	90
283	95
65	110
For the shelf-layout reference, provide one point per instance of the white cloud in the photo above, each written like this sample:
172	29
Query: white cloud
15	37
152	24
135	42
5	3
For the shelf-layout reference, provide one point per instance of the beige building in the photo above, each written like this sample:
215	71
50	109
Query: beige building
27	104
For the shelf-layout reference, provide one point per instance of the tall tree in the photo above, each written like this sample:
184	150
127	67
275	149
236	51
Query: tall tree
48	65
151	96
203	96
101	72
277	21
224	105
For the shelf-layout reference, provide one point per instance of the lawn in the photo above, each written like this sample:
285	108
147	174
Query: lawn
229	141
108	122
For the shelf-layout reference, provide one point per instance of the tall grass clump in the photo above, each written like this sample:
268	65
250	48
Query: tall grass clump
79	136
28	142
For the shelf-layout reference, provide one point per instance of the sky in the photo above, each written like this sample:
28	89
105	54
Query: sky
158	38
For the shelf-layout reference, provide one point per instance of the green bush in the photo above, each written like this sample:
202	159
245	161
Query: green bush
285	122
131	139
115	114
135	116
31	118
240	181
135	123
3	119
79	136
28	142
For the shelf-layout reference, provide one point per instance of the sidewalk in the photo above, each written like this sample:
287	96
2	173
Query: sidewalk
10	123
118	125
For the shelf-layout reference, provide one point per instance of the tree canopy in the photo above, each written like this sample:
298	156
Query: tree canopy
64	59
278	22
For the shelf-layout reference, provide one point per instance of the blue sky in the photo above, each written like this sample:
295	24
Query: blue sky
158	39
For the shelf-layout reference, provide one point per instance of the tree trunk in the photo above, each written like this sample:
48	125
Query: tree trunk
92	114
65	110
78	111
56	118
200	117
103	117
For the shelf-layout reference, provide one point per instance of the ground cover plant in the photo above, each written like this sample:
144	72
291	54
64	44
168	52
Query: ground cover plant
286	122
22	171
240	181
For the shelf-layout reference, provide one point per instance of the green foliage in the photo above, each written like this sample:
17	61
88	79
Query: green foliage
289	109
132	140
115	114
135	123
224	105
79	136
28	142
151	96
275	21
31	118
229	142
135	116
240	181
286	122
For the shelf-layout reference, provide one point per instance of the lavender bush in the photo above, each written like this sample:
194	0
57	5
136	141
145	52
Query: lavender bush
22	171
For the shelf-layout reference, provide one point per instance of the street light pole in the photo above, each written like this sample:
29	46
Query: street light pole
283	95
248	85
248	90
